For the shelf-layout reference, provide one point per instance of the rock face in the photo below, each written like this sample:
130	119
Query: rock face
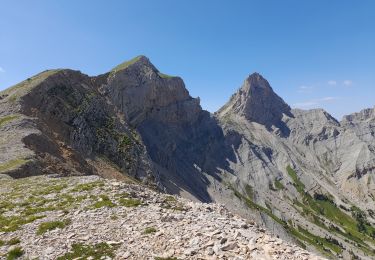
302	174
177	133
257	102
141	92
57	121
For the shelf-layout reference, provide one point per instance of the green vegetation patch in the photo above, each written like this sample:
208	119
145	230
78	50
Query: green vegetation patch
251	204
28	211
55	188
66	201
122	195
15	253
13	223
164	76
6	119
278	185
104	201
322	206
300	187
12	164
18	209
47	226
130	202
6	206
322	244
170	199
126	64
179	207
125	141
114	217
87	186
22	88
94	252
13	241
249	191
300	235
149	230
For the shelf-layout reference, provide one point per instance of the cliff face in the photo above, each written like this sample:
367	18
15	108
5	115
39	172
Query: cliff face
257	102
297	172
177	133
60	123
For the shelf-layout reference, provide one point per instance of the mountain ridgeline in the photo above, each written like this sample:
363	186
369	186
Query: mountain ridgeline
302	174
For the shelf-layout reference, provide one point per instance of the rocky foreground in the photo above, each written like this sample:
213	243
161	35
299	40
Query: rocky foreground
92	218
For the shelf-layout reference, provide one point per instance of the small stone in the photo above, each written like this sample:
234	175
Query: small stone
126	255
194	242
210	251
49	250
84	238
216	249
244	226
113	243
223	240
190	251
216	232
230	246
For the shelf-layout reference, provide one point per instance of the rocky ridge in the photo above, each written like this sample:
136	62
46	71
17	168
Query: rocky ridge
125	221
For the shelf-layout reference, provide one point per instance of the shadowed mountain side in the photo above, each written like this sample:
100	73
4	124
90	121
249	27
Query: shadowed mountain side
183	141
187	151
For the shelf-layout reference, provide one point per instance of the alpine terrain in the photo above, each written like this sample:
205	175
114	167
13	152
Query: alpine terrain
259	180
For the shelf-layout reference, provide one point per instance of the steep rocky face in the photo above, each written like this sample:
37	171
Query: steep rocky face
257	102
180	137
362	123
141	92
61	123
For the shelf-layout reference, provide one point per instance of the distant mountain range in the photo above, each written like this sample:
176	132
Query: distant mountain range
305	176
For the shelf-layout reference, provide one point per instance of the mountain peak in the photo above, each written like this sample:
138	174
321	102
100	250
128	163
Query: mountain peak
257	102
140	60
255	77
254	82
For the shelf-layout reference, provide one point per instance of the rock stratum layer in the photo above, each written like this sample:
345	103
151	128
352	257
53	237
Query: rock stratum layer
302	174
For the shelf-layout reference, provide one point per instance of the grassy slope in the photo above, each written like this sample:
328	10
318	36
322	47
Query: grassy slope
12	164
126	64
318	210
13	93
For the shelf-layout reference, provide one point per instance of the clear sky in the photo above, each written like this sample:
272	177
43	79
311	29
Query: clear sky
315	53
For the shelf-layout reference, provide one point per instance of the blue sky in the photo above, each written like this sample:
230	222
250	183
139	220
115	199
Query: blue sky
314	53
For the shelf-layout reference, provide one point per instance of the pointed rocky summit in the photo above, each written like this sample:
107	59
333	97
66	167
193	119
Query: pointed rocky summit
257	102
